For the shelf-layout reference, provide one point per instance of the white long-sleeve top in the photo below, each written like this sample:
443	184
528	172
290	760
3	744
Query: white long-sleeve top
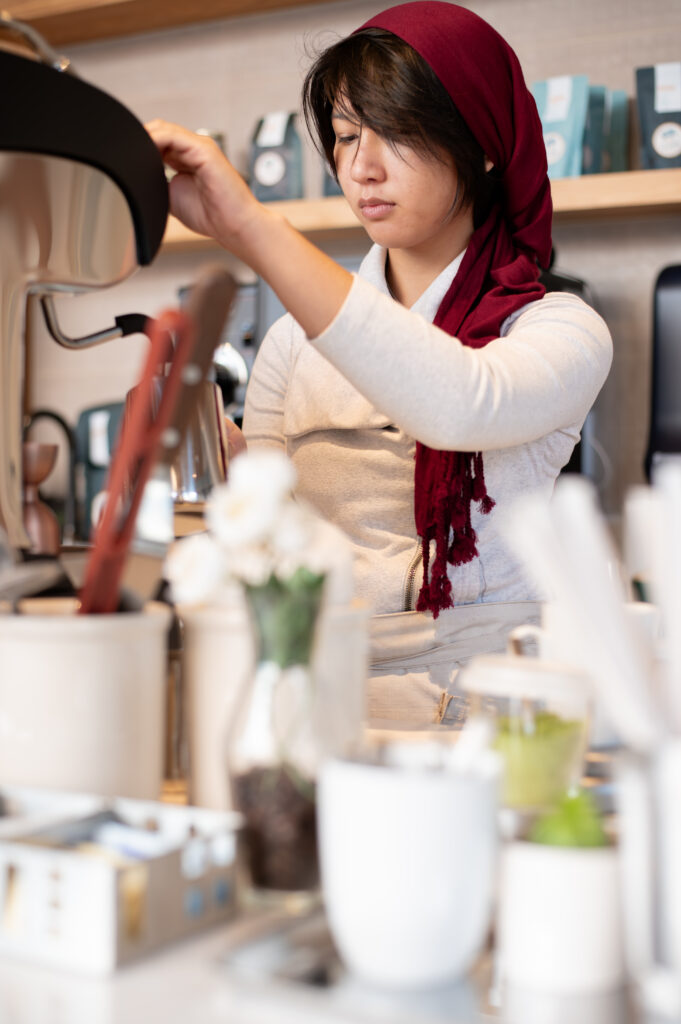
348	405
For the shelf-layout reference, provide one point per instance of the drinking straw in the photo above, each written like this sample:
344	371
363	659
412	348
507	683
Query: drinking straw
667	581
565	547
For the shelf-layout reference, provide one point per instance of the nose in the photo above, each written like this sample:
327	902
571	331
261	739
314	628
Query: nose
367	159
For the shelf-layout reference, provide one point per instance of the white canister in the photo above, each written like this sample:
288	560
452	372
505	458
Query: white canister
82	698
408	858
560	921
217	662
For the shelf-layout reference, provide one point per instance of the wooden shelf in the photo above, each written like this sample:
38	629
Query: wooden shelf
602	195
316	218
621	194
79	21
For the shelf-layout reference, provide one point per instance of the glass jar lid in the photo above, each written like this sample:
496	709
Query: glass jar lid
514	675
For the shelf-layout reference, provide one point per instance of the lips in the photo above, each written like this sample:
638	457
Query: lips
375	206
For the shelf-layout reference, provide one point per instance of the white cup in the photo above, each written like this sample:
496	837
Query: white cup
82	698
560	921
408	859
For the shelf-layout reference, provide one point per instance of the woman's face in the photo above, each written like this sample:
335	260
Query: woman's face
404	199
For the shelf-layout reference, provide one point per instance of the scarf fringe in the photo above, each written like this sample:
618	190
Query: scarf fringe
450	516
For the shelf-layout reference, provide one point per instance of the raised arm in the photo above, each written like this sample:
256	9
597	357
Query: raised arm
210	197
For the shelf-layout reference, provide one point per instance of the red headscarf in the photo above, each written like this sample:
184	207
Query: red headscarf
499	272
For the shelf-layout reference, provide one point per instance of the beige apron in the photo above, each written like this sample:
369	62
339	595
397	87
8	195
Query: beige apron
415	659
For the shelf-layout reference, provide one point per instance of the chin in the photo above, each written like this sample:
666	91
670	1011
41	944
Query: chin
386	236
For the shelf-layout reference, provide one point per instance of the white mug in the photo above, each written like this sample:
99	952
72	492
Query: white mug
408	858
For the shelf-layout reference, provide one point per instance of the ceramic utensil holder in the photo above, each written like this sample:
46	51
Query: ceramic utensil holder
82	698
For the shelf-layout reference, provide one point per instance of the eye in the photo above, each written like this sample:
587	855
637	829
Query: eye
346	138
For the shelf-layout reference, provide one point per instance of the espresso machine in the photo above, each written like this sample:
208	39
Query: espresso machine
83	204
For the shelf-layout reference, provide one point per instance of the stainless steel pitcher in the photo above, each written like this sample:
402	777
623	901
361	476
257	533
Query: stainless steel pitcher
201	460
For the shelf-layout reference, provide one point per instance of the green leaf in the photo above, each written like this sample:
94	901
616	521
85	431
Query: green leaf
575	821
284	614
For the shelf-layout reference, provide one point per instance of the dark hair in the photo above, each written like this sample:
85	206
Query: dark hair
396	93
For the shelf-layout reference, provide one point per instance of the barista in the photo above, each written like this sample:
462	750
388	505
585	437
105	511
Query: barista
418	398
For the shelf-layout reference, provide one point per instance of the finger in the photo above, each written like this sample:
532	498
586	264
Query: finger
179	148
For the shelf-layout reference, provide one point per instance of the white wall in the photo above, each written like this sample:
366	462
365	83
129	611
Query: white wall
223	75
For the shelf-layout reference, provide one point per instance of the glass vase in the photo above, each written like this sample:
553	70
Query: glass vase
273	748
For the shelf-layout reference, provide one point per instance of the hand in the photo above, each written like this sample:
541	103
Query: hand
210	197
207	193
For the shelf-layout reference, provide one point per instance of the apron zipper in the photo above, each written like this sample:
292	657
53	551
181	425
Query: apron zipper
411	574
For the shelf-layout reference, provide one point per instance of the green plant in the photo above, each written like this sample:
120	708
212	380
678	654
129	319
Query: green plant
574	821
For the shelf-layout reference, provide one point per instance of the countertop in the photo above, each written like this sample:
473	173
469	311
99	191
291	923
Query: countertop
192	983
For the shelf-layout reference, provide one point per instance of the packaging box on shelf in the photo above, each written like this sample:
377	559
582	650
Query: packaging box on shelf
112	880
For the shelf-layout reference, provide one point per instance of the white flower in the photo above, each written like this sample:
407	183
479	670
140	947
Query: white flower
257	529
245	509
238	518
252	565
291	531
195	569
266	466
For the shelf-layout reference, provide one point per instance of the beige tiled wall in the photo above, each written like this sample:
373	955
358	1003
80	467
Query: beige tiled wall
224	75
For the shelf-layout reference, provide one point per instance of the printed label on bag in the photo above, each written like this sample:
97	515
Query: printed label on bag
269	168
666	140
98	437
272	129
667	88
555	147
558	98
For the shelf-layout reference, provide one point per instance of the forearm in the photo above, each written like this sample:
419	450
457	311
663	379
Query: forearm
311	286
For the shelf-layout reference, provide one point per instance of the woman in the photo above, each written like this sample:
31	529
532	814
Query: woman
420	397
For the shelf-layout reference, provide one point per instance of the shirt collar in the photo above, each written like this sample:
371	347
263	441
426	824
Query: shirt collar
372	269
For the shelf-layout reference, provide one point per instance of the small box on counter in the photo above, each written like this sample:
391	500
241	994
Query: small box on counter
100	883
23	808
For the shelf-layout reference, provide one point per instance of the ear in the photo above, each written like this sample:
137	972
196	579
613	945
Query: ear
488	164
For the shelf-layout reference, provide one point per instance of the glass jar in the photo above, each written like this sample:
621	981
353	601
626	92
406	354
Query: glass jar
273	749
540	715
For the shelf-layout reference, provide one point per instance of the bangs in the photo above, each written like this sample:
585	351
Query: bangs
374	77
367	77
